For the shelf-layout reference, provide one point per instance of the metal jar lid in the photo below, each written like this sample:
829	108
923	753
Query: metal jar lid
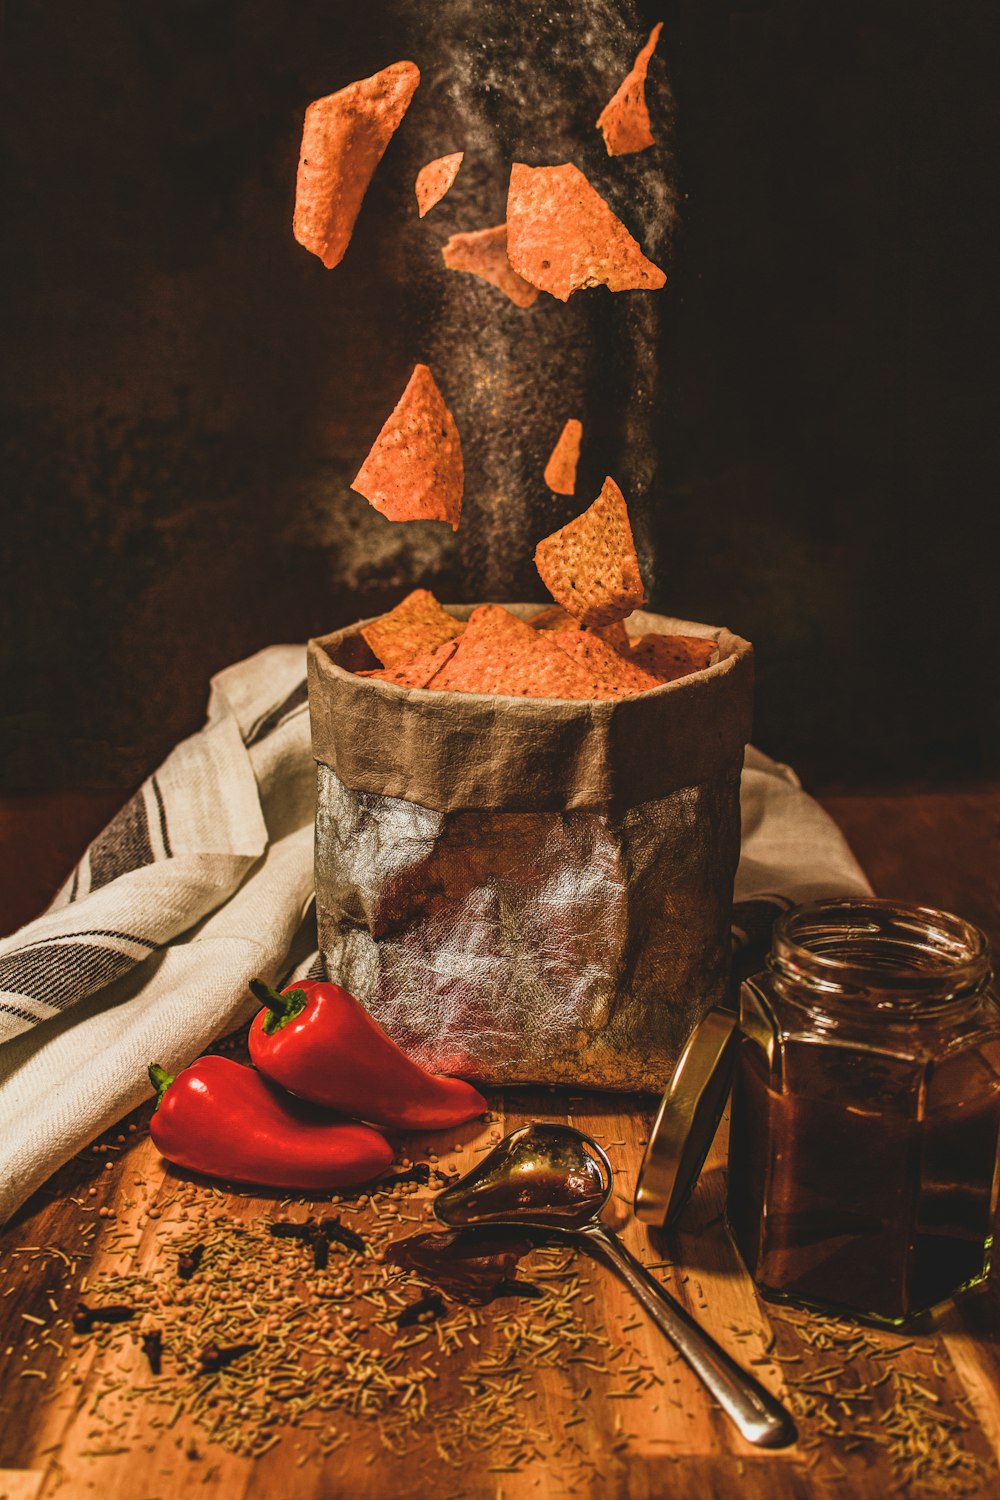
688	1118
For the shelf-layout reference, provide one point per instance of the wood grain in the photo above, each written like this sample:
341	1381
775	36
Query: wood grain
668	1438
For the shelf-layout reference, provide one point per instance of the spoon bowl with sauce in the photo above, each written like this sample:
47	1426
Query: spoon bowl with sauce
554	1178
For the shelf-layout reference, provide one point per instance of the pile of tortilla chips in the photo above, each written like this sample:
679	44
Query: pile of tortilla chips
576	648
497	652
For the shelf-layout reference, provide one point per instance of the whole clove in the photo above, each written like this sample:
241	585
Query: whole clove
342	1234
152	1347
292	1229
85	1317
319	1236
213	1358
189	1261
426	1309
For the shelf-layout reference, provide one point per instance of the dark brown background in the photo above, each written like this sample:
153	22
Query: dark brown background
189	393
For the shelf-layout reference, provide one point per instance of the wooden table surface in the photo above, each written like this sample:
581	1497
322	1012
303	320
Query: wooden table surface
572	1393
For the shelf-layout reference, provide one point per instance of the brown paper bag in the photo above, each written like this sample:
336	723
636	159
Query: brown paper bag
522	890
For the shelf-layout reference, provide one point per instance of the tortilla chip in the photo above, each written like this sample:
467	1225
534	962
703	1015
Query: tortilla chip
616	636
671	656
557	618
590	566
434	180
418	673
343	139
554	617
611	674
560	471
414	471
483	253
624	120
561	235
499	653
417	625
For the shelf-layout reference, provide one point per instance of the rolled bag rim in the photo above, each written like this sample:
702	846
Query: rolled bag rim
453	751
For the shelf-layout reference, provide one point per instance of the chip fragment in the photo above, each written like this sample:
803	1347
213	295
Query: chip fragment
589	566
483	253
343	139
610	674
624	120
499	653
414	471
418	673
416	625
434	180
560	471
671	656
561	235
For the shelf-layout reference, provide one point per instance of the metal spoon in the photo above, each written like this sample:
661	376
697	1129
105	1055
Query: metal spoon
554	1178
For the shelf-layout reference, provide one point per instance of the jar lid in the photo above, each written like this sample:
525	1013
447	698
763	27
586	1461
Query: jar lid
688	1118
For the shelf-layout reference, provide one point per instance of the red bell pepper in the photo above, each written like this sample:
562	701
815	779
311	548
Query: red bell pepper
225	1120
317	1041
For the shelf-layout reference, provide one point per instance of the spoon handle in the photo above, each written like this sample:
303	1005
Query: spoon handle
760	1418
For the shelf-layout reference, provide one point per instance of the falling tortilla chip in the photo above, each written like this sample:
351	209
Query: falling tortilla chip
483	253
417	625
499	653
560	471
434	180
343	139
671	656
414	471
561	235
418	673
590	565
611	675
624	120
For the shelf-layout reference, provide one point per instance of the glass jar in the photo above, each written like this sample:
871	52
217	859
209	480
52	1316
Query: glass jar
866	1110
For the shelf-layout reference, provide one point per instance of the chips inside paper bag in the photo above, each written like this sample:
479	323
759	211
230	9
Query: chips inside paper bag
343	139
561	235
416	626
499	653
590	566
610	674
483	253
624	120
414	471
434	180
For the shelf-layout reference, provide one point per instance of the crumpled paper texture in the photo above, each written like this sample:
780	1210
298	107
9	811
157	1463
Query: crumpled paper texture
573	947
527	890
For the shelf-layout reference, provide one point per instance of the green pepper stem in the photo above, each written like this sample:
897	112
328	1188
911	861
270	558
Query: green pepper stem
280	1008
161	1081
269	996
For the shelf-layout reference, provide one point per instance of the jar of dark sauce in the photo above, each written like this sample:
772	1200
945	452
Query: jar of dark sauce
866	1110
